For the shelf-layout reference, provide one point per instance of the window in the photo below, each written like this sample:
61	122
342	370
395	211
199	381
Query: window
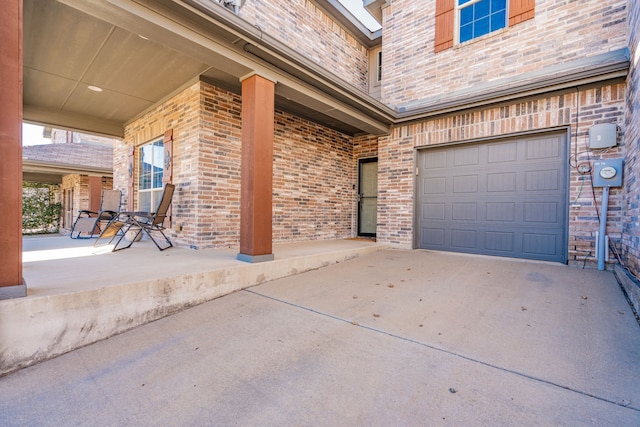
458	21
150	175
479	17
375	72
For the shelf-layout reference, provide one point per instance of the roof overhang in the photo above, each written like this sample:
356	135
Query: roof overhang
141	51
47	172
572	74
375	7
345	17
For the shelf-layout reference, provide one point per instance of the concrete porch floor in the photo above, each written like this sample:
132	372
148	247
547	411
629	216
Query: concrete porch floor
388	338
78	294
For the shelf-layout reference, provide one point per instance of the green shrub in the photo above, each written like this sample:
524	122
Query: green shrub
40	212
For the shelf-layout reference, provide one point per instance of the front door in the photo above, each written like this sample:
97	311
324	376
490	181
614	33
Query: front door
368	197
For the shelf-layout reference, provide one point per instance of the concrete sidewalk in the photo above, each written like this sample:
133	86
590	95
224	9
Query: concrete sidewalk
389	338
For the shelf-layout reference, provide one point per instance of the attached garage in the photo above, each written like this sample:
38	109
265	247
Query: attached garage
505	197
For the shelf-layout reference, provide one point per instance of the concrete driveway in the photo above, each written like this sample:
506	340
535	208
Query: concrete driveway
390	338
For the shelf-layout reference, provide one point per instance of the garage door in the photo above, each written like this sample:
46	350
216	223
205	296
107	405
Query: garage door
506	198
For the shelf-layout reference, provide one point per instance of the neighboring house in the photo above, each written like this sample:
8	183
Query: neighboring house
460	126
82	167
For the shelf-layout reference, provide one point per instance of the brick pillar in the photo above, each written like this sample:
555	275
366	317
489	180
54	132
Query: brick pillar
11	281
256	169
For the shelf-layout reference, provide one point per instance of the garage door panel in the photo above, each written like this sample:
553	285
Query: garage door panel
465	184
433	237
437	185
433	211
506	198
541	212
464	239
499	241
540	244
502	152
501	182
501	211
464	211
543	148
436	161
466	156
542	180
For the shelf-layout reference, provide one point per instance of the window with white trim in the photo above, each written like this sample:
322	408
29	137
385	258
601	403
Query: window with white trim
375	72
151	171
476	18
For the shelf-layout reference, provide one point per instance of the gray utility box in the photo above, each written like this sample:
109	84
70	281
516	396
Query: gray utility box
607	173
604	135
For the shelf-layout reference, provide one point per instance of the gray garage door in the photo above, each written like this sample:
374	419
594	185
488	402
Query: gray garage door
506	198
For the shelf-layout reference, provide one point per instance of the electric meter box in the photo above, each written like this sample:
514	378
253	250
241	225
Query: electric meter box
607	173
604	135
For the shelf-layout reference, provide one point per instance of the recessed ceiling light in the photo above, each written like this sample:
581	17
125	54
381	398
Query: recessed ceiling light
95	88
143	37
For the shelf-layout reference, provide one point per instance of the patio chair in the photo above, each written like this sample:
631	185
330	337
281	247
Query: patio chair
89	222
128	226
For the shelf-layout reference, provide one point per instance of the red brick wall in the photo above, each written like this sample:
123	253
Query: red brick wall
313	190
212	194
313	177
364	147
593	105
631	229
206	163
182	114
306	28
560	31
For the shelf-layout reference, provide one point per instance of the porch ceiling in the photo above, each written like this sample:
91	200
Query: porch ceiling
139	52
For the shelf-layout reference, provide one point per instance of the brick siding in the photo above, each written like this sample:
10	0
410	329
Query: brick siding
312	181
561	31
313	194
631	229
214	193
180	113
306	28
593	105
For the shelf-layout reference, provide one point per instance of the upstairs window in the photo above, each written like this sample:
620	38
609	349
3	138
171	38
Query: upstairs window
375	72
458	21
479	17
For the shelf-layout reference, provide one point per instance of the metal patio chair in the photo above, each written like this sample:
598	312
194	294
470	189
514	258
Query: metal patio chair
89	222
128	226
